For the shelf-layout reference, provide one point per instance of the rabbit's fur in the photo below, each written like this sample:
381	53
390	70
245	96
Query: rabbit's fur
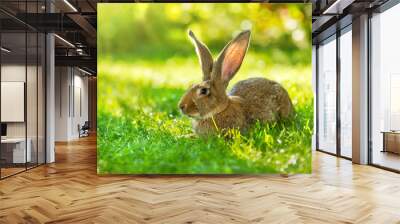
250	100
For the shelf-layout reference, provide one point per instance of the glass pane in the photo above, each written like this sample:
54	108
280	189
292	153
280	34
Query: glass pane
346	94
41	99
31	88
31	97
22	89
14	153
386	89
327	96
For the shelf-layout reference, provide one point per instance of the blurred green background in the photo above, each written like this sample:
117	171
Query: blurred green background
281	32
146	62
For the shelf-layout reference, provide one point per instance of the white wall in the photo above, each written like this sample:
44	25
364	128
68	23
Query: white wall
62	82
12	73
71	87
80	100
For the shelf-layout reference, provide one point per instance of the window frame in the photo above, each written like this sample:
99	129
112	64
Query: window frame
346	27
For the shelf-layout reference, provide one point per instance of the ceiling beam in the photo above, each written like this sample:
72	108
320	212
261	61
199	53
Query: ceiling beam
78	61
320	22
49	22
86	26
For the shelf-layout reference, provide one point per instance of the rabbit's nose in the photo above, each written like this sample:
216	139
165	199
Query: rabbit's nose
182	107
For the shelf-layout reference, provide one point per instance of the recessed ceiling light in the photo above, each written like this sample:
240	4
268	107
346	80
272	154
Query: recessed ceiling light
70	5
64	40
5	50
84	71
337	7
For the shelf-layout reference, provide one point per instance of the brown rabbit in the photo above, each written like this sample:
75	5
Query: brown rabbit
249	100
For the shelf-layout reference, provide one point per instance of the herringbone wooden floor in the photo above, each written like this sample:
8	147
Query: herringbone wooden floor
70	191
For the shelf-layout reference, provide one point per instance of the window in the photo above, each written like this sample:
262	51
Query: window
385	89
327	95
346	92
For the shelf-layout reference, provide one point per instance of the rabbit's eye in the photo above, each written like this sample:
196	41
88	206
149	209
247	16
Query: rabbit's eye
204	91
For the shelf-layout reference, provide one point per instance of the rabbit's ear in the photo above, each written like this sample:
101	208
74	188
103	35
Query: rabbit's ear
204	55
231	57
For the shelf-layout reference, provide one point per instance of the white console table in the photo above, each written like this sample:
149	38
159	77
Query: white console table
18	144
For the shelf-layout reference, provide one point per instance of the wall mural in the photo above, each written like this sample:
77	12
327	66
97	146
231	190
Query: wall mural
212	88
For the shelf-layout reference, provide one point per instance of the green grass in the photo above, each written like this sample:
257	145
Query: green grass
141	131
